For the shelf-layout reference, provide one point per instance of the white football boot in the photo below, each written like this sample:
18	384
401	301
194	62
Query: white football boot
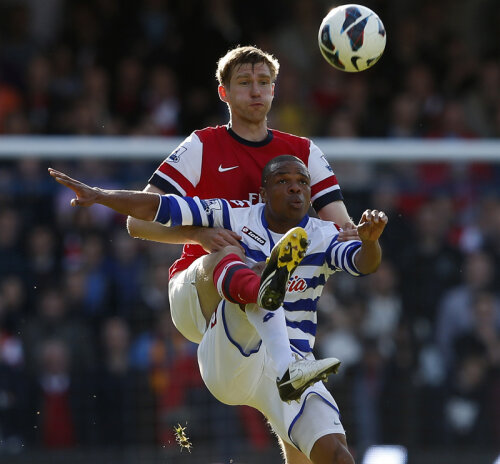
302	374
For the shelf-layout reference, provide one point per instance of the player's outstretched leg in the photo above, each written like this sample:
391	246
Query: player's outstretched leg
302	374
281	264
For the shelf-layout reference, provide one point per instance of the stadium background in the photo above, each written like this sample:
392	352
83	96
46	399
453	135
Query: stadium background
91	369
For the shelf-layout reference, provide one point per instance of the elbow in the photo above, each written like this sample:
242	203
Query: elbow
133	227
373	268
368	267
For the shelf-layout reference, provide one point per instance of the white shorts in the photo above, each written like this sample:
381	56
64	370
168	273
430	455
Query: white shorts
185	306
237	370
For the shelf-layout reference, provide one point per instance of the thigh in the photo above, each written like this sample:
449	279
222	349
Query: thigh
185	308
231	356
208	296
292	454
207	293
331	448
299	424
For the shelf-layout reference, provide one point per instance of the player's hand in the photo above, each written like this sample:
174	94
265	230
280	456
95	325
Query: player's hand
85	195
371	225
214	239
349	232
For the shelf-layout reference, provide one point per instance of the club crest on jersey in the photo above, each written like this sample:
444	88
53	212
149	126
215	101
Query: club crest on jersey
175	156
327	164
253	235
296	284
211	205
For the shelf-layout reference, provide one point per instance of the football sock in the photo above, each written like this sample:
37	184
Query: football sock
235	281
271	326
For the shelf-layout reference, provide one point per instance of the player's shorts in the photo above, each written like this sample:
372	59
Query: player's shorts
237	370
185	306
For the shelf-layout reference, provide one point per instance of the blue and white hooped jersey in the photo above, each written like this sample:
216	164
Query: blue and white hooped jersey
325	255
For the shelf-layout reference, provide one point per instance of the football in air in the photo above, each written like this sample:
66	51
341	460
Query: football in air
352	38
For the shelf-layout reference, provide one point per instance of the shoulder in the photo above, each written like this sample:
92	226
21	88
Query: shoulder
318	223
210	132
291	138
318	227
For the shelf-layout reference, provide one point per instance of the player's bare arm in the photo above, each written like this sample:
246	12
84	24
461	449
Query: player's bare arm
370	228
142	205
211	239
141	208
337	212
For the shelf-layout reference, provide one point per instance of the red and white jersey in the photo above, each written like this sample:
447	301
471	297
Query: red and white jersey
216	163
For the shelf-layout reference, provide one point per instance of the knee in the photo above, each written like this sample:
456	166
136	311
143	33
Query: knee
330	449
230	250
342	455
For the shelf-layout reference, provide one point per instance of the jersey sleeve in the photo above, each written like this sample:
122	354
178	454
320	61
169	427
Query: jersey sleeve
174	210
180	172
324	186
341	255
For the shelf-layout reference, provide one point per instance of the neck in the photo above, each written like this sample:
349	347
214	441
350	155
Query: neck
253	132
279	226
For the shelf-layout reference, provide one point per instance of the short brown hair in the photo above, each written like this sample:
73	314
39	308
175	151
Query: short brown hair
243	55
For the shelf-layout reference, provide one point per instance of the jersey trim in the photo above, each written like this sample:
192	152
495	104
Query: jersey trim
231	339
166	185
249	143
302	410
329	197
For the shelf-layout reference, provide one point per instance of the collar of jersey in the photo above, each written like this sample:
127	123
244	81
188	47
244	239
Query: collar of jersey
302	224
243	141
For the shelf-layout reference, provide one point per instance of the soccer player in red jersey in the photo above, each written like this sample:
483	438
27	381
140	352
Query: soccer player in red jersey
227	162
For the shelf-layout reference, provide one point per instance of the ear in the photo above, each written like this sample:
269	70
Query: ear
262	193
272	89
222	93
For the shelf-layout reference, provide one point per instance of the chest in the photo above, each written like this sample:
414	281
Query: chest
232	170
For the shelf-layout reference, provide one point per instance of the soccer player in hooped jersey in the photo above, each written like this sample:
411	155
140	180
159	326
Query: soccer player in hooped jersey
234	366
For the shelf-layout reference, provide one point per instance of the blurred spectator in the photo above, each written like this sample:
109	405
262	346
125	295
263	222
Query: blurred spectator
162	101
126	270
33	190
128	93
54	319
123	398
14	307
43	258
13	406
290	110
451	123
11	256
10	104
62	407
38	98
403	122
486	325
172	367
339	331
482	100
466	409
367	379
456	308
96	266
384	308
429	266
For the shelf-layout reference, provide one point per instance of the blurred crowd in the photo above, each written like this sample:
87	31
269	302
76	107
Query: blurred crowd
88	353
125	67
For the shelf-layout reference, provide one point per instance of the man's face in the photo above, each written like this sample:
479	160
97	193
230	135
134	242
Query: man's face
287	194
250	92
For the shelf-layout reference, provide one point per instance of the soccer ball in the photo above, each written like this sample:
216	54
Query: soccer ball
352	38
